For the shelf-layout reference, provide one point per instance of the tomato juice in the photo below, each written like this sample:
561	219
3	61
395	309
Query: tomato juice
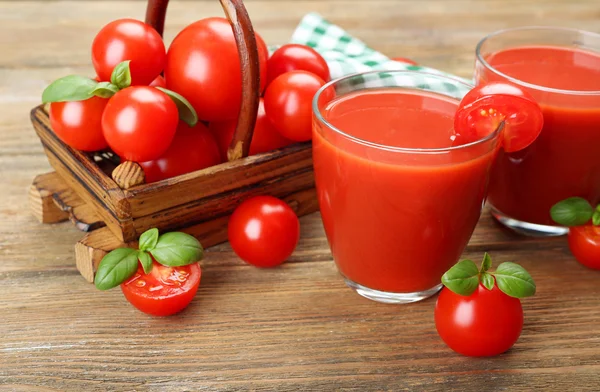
398	203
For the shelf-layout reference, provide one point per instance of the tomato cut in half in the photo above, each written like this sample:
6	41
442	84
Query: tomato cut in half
584	243
483	109
165	290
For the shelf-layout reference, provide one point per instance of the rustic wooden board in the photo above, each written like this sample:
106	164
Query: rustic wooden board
295	328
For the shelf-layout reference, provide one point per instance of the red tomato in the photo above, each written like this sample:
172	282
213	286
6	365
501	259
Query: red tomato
165	290
486	323
404	60
293	57
192	149
129	39
159	82
79	123
288	103
203	66
139	123
484	107
584	242
264	138
263	231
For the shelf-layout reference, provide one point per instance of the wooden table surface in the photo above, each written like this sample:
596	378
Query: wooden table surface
293	328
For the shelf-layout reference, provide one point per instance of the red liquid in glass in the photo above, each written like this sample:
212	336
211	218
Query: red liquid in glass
397	221
565	159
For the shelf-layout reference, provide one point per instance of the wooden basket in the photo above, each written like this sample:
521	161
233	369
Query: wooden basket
114	207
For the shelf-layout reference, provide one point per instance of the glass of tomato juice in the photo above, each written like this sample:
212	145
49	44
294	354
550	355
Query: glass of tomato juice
398	202
560	68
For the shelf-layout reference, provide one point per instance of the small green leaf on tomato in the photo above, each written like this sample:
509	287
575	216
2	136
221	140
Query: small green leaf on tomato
486	263
596	218
146	261
462	278
574	211
116	267
121	75
487	280
68	89
514	281
176	249
105	90
187	113
148	239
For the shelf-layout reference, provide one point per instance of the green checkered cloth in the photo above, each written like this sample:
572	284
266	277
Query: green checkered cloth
347	55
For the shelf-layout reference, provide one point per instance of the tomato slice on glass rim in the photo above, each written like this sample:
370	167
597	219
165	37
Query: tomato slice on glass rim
165	290
482	110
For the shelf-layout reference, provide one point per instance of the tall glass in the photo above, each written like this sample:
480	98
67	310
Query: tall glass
561	69
398	202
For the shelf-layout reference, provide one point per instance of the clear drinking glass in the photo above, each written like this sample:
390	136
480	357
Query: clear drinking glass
561	69
398	202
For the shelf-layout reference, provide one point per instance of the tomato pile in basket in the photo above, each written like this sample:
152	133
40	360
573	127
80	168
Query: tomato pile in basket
174	109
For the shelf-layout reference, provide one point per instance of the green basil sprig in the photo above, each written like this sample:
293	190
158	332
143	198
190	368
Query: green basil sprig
575	211
512	279
174	249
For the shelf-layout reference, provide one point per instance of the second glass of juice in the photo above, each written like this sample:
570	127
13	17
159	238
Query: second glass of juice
399	202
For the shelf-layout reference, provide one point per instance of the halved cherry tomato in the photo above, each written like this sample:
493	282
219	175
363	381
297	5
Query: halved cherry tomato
129	39
203	65
79	123
192	149
159	82
404	60
584	242
139	123
288	103
264	138
293	57
165	290
483	109
485	323
263	231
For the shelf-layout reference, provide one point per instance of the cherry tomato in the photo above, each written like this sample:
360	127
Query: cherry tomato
129	39
165	290
292	57
139	123
584	242
159	82
191	149
484	107
264	138
203	66
404	60
288	103
263	231
486	323
79	123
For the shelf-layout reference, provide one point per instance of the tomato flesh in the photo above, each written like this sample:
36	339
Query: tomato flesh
584	242
165	290
486	323
79	123
483	109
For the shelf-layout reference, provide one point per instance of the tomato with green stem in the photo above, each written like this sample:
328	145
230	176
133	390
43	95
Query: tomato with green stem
133	40
79	123
479	312
482	109
294	57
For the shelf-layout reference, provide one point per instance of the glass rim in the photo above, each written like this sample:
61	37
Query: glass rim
379	146
533	86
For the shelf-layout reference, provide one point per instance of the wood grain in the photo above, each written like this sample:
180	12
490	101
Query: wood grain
294	328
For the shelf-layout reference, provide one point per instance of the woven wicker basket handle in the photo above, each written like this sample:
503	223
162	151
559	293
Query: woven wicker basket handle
246	43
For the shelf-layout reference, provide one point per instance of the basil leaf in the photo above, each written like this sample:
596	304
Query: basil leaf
487	280
148	239
462	278
187	113
121	75
486	263
146	261
116	267
105	90
574	211
69	88
596	218
176	249
513	280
